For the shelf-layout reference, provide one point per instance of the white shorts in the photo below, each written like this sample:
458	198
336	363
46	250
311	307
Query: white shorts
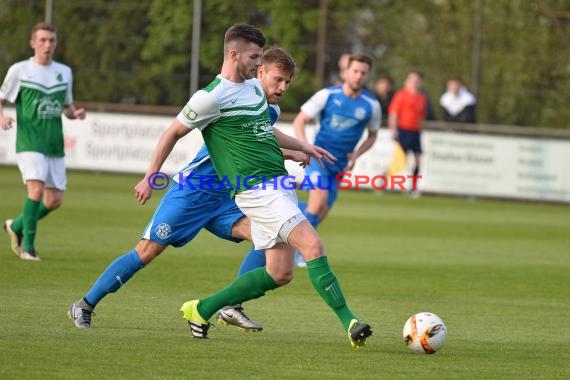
273	213
37	166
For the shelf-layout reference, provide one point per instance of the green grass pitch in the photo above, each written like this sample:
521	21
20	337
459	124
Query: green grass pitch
498	273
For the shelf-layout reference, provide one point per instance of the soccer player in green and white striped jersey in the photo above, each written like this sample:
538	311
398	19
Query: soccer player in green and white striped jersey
41	88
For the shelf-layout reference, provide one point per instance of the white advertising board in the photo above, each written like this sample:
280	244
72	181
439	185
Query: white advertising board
453	163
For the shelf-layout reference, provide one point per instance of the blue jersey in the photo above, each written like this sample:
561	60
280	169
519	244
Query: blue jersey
200	173
342	121
199	200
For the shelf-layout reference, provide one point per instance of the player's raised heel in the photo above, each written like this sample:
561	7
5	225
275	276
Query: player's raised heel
236	316
15	239
358	332
198	326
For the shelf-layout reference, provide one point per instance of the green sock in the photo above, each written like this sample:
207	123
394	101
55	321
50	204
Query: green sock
18	223
248	286
326	284
30	221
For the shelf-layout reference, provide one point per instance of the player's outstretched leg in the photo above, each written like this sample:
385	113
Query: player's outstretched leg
115	276
326	284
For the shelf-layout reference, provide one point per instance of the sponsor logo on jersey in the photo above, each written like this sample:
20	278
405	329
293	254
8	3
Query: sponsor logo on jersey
48	108
261	128
341	122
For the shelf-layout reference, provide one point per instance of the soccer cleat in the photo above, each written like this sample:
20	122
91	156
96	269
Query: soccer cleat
299	261
15	239
30	255
198	325
80	317
235	316
358	332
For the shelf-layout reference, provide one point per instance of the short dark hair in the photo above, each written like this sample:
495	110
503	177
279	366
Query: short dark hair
360	57
385	77
455	78
43	26
244	33
280	58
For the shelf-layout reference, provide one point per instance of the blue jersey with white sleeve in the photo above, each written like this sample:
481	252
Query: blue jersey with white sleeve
342	121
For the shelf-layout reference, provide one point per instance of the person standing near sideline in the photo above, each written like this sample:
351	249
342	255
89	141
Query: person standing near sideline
384	93
344	112
406	115
457	103
41	88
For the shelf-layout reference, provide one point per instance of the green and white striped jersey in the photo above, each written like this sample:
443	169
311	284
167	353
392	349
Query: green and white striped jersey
234	121
40	93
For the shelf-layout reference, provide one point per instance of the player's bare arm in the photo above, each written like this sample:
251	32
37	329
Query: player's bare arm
288	142
5	121
299	124
296	156
167	141
74	113
363	148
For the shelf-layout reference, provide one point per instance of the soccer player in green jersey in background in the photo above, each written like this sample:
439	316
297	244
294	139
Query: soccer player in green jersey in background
41	88
232	114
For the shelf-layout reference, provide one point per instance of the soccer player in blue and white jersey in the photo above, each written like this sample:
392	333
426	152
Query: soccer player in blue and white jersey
199	201
344	112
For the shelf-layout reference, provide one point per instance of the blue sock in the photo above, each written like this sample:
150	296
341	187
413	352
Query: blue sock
255	258
116	275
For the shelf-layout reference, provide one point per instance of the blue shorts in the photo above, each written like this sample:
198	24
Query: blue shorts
321	178
184	211
410	140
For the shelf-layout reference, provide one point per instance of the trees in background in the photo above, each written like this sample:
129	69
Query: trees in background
138	51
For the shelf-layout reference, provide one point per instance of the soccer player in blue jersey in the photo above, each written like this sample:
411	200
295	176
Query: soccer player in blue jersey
189	206
344	112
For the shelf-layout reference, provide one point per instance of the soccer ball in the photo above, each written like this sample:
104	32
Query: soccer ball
424	333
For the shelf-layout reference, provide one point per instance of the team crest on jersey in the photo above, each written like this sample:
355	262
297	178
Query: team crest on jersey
360	113
189	113
59	77
163	231
258	92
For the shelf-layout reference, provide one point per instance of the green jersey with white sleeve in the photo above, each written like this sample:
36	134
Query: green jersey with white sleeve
40	93
234	121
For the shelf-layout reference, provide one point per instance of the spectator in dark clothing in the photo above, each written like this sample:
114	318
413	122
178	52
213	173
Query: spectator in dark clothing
457	103
384	89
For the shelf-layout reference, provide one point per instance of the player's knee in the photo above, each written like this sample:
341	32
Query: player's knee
53	204
147	250
313	249
283	278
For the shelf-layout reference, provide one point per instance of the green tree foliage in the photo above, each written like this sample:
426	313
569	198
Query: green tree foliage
139	50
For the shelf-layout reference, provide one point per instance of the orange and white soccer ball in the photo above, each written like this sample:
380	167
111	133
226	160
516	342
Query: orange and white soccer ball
424	333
